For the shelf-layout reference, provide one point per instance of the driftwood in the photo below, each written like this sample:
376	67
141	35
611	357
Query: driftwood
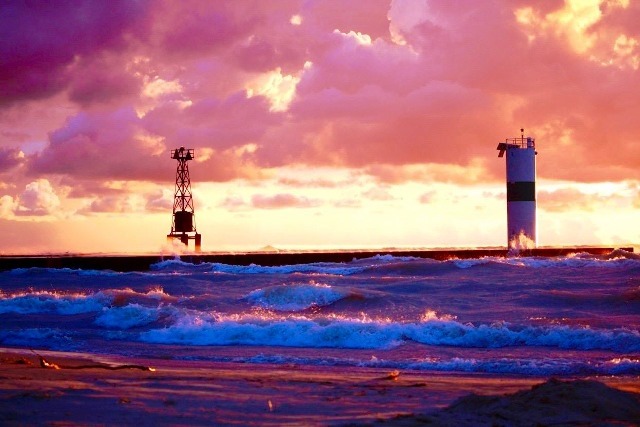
44	363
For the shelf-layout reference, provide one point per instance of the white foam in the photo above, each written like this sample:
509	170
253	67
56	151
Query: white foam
171	264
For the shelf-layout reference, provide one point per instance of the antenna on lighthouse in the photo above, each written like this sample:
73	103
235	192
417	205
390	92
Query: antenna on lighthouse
183	221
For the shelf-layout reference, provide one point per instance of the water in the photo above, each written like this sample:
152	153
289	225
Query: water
577	315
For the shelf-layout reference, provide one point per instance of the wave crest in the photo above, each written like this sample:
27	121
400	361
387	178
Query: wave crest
296	297
339	332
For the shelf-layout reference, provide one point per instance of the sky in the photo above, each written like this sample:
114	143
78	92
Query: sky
316	124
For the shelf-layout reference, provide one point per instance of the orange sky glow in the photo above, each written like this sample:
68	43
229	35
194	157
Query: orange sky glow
317	124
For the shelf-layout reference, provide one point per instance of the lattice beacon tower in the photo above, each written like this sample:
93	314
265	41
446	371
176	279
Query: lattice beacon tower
521	191
183	219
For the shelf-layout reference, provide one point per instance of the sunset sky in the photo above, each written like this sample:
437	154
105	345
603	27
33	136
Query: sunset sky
315	123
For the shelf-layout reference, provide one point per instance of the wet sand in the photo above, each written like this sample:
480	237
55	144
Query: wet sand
205	393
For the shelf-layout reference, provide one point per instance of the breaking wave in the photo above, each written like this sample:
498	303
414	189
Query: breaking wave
337	332
296	297
61	303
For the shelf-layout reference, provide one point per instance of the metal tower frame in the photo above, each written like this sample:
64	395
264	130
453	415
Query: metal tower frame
183	221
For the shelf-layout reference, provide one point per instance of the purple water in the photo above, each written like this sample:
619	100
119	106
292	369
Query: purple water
527	316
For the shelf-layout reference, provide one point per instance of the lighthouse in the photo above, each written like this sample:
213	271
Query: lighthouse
520	156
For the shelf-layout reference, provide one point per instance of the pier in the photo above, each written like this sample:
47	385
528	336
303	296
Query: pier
126	263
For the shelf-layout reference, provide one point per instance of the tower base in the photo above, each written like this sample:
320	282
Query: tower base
184	238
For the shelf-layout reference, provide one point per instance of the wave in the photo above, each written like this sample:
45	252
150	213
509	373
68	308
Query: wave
29	337
390	264
319	268
381	263
35	271
580	260
339	332
515	366
297	296
130	315
52	302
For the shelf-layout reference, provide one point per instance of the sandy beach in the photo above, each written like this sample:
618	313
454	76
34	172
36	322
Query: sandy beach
84	391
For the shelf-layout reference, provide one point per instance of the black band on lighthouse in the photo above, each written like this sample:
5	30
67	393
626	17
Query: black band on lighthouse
521	191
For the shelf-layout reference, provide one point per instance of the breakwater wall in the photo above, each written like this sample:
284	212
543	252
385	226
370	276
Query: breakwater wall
125	263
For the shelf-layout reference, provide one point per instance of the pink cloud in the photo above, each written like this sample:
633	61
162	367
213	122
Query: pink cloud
427	197
196	27
39	40
378	193
83	188
159	201
117	204
348	203
102	146
306	183
567	199
10	158
369	17
234	203
280	201
117	146
212	122
100	83
38	199
461	82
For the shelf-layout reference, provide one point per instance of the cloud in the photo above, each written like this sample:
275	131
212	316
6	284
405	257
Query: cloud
428	197
125	201
40	41
379	194
348	203
474	172
198	27
160	201
79	188
101	82
38	199
10	158
112	204
403	90
567	199
110	145
7	207
283	200
369	17
611	196
234	203
311	182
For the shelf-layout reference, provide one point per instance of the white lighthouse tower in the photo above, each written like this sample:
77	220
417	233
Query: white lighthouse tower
521	191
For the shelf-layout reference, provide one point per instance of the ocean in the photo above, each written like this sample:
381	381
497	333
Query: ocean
560	316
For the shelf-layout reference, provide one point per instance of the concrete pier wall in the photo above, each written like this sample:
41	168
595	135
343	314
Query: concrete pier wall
143	262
